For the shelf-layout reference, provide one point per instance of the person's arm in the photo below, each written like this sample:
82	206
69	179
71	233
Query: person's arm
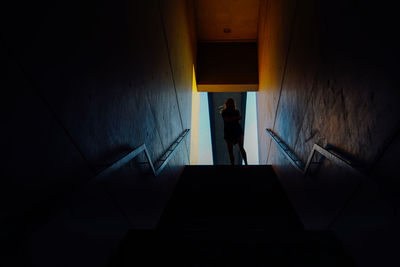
236	118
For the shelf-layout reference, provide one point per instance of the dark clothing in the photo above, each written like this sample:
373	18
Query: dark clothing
232	129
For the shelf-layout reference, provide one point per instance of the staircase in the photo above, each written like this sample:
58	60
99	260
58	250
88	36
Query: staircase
230	216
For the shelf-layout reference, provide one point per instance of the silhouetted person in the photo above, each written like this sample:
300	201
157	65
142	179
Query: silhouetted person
233	133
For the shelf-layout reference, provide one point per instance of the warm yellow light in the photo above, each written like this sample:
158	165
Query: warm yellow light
194	140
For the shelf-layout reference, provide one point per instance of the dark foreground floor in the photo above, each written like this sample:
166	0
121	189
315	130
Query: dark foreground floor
230	216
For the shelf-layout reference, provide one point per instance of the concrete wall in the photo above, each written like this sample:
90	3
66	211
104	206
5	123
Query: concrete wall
328	76
84	83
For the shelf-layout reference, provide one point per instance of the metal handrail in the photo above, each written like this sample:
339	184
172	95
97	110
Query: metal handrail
165	158
298	164
332	156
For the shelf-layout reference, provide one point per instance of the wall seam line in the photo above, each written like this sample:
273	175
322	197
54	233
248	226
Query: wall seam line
36	90
155	120
284	72
261	52
386	146
315	81
172	72
305	113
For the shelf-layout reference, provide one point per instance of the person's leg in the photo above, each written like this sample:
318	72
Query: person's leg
242	151
230	150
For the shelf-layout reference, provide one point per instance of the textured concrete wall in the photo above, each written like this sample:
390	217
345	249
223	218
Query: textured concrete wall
328	76
86	82
274	32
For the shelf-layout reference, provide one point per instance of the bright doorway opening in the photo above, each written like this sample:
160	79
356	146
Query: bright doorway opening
251	131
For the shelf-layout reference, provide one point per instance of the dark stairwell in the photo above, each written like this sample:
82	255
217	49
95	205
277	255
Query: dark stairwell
230	216
85	82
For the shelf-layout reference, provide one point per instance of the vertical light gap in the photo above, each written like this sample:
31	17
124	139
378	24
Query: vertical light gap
194	127
200	143
250	131
205	150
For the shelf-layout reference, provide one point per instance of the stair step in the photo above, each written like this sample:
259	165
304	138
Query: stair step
236	197
191	248
231	216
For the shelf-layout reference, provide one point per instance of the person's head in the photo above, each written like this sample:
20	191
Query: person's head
230	104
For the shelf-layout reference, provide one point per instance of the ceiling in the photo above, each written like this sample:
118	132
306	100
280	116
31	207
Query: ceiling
239	18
